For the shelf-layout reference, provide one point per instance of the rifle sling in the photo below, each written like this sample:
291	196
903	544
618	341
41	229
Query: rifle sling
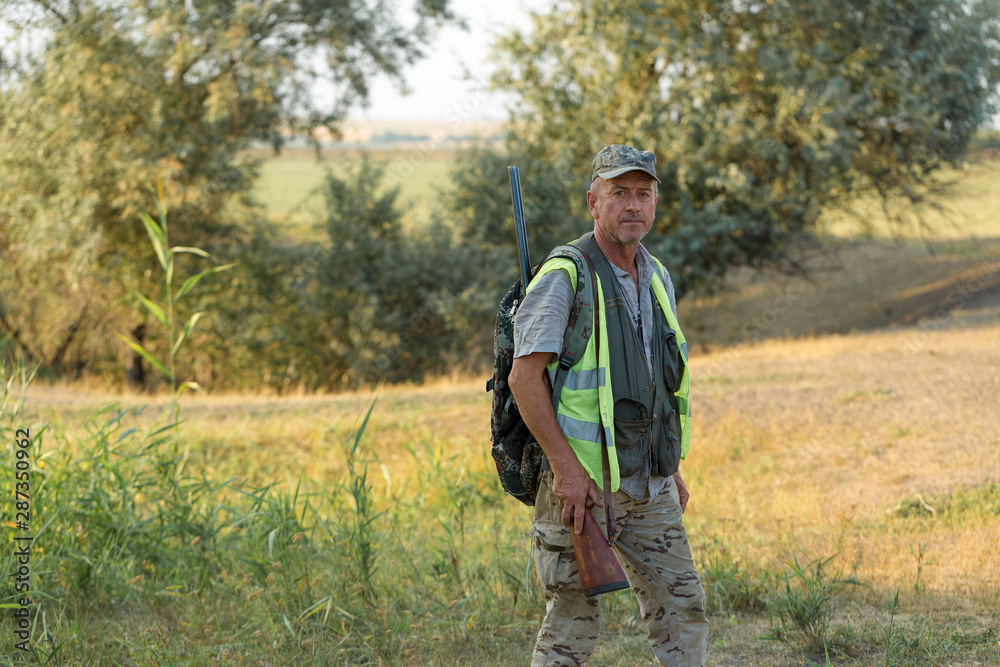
609	512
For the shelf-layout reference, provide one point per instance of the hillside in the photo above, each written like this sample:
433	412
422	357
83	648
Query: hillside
861	274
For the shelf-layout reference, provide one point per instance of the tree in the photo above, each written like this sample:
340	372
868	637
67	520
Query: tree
760	113
377	301
101	97
386	295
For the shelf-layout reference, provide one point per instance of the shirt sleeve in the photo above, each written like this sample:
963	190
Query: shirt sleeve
541	318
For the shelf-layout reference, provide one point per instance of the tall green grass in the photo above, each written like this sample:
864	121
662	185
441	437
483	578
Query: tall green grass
129	531
800	608
165	312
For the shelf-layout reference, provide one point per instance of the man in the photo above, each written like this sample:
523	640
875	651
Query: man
645	356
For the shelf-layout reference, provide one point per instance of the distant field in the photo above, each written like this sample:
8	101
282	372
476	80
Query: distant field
288	189
970	209
288	184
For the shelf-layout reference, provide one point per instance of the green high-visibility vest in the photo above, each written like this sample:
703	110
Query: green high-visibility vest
588	387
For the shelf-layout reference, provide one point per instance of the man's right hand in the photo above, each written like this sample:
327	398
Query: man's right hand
576	493
571	484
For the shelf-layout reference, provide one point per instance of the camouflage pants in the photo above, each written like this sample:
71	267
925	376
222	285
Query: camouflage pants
653	549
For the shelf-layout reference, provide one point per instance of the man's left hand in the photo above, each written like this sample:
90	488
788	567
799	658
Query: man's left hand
682	492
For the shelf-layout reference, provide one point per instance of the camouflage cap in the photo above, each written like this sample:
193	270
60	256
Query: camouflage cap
614	160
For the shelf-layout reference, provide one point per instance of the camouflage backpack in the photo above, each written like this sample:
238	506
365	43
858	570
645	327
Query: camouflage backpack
517	454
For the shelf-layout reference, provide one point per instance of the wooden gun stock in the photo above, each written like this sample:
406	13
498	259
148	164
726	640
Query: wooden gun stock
600	571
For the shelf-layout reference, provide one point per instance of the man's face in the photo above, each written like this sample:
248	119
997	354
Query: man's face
623	207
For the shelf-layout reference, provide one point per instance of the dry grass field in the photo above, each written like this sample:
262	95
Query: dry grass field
878	450
848	418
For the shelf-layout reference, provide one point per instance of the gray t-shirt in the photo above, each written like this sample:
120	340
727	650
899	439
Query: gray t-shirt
540	321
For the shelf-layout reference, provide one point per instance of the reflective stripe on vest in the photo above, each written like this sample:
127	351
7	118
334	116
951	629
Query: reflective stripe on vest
581	379
684	391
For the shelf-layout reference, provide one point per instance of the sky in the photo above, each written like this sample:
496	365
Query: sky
439	90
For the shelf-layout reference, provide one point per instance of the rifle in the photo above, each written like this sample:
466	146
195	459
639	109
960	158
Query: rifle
600	571
522	231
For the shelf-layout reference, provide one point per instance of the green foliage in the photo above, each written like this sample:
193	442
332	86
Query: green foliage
800	608
263	332
165	314
978	505
379	301
760	114
731	586
480	201
985	140
363	544
479	206
129	524
100	96
919	553
112	509
385	296
918	641
889	635
150	554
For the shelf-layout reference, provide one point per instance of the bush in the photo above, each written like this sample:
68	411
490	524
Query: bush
800	608
984	140
731	585
135	544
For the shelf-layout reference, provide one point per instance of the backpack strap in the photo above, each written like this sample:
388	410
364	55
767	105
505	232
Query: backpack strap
581	315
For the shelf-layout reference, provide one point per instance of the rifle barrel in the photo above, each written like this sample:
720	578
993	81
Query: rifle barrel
522	232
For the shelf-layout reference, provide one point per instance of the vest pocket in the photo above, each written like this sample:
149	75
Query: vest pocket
667	457
670	354
632	426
